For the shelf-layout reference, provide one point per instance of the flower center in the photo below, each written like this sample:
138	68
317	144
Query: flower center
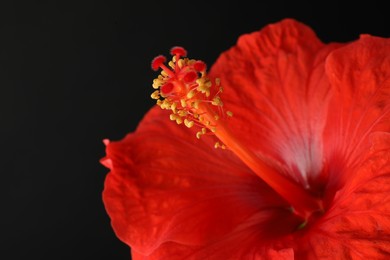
194	99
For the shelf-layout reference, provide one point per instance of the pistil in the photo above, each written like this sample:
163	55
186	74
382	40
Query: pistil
194	100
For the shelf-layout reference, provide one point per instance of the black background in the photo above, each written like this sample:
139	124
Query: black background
72	74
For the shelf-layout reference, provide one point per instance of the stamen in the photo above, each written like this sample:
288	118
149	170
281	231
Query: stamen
188	92
194	101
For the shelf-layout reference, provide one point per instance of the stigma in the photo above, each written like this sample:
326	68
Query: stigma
184	88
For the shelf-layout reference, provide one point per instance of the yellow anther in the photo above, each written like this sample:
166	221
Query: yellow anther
201	81
229	113
202	87
180	63
179	120
196	104
171	64
183	102
172	117
155	94
173	107
191	94
199	134
219	145
216	117
204	130
165	104
188	123
157	83
217	101
182	113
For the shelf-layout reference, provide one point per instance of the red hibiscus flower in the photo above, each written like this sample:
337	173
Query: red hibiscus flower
282	152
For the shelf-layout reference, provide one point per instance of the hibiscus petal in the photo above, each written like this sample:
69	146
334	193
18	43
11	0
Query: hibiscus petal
166	185
251	240
357	226
275	85
360	75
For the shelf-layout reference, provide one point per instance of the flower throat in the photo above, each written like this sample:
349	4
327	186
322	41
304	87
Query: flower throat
194	100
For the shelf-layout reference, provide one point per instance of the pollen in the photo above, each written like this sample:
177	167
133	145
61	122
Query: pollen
184	88
219	145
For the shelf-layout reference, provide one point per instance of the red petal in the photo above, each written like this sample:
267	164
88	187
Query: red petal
275	85
248	241
358	224
166	185
360	74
